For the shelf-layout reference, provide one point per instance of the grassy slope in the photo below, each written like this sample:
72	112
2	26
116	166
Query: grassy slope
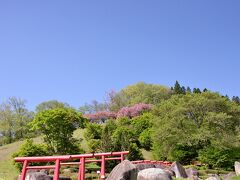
9	172
7	169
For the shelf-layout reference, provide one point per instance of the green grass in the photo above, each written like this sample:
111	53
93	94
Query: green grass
236	178
7	169
147	154
78	134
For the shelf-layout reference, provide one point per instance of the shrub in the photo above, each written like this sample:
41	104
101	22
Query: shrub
28	148
145	139
216	157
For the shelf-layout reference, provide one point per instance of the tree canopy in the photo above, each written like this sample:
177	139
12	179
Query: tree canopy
58	125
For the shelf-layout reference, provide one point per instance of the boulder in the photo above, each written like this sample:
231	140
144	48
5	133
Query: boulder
153	174
37	176
178	170
237	168
229	176
160	166
194	178
144	166
214	177
191	172
123	171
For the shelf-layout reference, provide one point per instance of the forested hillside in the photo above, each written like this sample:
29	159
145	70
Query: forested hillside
173	123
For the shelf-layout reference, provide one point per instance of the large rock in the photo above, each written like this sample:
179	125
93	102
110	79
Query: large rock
237	168
124	171
178	170
37	176
41	176
191	172
153	174
144	166
160	166
214	177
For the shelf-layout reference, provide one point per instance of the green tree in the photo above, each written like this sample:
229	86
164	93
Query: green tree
177	89
196	90
194	121
138	93
14	118
236	99
58	125
52	104
93	107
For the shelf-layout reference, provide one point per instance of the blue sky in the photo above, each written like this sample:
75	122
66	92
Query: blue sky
76	51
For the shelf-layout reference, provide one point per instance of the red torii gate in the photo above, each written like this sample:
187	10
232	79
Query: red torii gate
64	160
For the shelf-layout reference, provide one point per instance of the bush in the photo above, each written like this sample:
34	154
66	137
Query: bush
134	152
183	154
216	157
28	148
145	139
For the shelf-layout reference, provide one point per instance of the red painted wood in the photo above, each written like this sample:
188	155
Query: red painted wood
102	174
24	170
56	170
41	167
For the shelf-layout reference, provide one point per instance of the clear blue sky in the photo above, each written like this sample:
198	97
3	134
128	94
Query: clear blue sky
75	51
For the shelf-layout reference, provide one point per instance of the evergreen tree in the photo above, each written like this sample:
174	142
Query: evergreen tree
177	88
205	90
196	90
183	90
189	90
236	99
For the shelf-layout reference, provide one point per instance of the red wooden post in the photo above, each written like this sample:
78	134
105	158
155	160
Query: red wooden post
24	170
102	174
122	157
79	170
82	168
56	170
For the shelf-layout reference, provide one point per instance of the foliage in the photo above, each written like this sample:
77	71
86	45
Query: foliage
193	122
52	104
93	107
93	131
145	139
138	93
28	148
115	136
58	125
216	157
236	99
177	89
14	118
129	112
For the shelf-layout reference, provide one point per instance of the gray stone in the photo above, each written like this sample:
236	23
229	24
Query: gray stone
153	174
237	168
191	172
160	166
124	171
144	166
194	178
229	176
178	170
214	177
37	176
